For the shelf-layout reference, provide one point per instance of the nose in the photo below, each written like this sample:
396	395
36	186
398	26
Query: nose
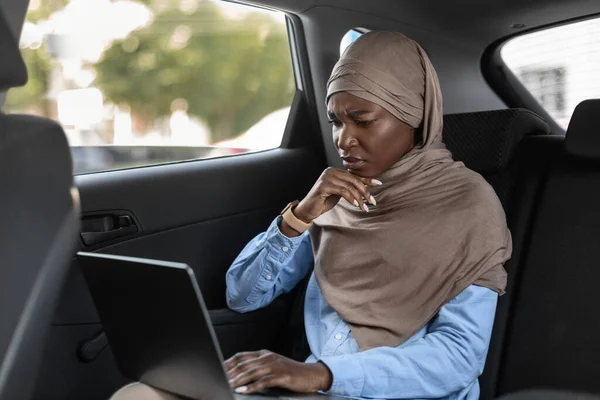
346	138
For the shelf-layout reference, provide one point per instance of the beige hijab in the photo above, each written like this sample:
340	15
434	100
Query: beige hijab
437	228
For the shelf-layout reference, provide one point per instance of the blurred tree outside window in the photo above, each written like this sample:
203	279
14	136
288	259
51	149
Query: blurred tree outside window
151	81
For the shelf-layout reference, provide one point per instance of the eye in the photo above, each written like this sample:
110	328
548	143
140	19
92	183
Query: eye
364	123
335	122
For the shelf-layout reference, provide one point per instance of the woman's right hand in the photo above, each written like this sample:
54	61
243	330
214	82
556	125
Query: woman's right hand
332	185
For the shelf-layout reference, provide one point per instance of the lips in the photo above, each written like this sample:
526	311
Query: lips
352	162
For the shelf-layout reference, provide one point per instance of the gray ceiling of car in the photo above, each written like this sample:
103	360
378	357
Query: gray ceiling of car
480	21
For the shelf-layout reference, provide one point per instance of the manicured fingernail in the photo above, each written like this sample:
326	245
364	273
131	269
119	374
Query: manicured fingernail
373	200
356	203
375	181
365	207
241	389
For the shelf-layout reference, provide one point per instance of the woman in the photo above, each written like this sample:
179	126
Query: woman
407	266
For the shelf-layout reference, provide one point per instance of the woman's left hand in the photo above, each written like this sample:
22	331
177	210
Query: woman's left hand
251	372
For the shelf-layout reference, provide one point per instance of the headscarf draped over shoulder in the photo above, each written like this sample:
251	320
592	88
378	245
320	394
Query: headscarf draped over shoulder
437	228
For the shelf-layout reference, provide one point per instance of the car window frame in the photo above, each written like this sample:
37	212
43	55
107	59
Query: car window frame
506	84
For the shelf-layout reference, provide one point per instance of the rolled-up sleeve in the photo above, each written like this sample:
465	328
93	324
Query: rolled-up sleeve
271	264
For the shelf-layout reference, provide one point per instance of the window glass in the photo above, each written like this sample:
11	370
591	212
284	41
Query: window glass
559	66
348	38
140	82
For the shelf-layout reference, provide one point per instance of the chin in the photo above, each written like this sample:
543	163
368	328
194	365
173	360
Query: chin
362	172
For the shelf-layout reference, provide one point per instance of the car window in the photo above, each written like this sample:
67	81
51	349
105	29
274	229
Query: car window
559	66
348	38
137	83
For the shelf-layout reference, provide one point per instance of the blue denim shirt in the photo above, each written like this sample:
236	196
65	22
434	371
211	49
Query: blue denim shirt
441	361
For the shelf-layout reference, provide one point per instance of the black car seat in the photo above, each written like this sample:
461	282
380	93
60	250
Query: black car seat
548	395
552	341
491	143
38	229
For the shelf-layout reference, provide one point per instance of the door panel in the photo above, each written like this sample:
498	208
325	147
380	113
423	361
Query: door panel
174	195
201	213
63	376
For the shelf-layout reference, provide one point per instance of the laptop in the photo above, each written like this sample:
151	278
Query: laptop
159	329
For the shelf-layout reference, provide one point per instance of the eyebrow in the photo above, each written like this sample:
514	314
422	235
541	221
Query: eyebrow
351	114
358	113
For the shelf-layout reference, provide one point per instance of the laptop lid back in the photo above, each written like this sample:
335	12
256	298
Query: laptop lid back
157	324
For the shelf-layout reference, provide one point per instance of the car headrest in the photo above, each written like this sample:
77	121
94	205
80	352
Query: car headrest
13	72
583	134
487	141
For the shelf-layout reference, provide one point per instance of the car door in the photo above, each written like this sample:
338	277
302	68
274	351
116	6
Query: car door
149	187
201	213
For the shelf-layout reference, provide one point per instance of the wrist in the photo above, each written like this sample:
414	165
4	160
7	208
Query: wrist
325	376
288	230
292	220
299	213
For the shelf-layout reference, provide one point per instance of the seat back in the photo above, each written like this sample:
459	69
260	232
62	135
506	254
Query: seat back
491	143
552	342
38	229
487	142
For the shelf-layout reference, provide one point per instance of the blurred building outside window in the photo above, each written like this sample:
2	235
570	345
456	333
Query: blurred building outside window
559	66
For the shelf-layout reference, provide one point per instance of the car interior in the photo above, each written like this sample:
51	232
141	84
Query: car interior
203	211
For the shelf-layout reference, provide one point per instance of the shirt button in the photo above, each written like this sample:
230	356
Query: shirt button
285	249
268	277
338	336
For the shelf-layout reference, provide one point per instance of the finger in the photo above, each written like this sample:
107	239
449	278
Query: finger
266	382
248	365
338	187
367	181
351	181
241	357
237	358
370	181
251	375
355	184
359	184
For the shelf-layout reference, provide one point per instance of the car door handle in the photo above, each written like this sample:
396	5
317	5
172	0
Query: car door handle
89	350
92	238
106	227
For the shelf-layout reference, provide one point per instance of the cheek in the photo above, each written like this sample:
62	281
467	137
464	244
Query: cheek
405	142
391	145
335	135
